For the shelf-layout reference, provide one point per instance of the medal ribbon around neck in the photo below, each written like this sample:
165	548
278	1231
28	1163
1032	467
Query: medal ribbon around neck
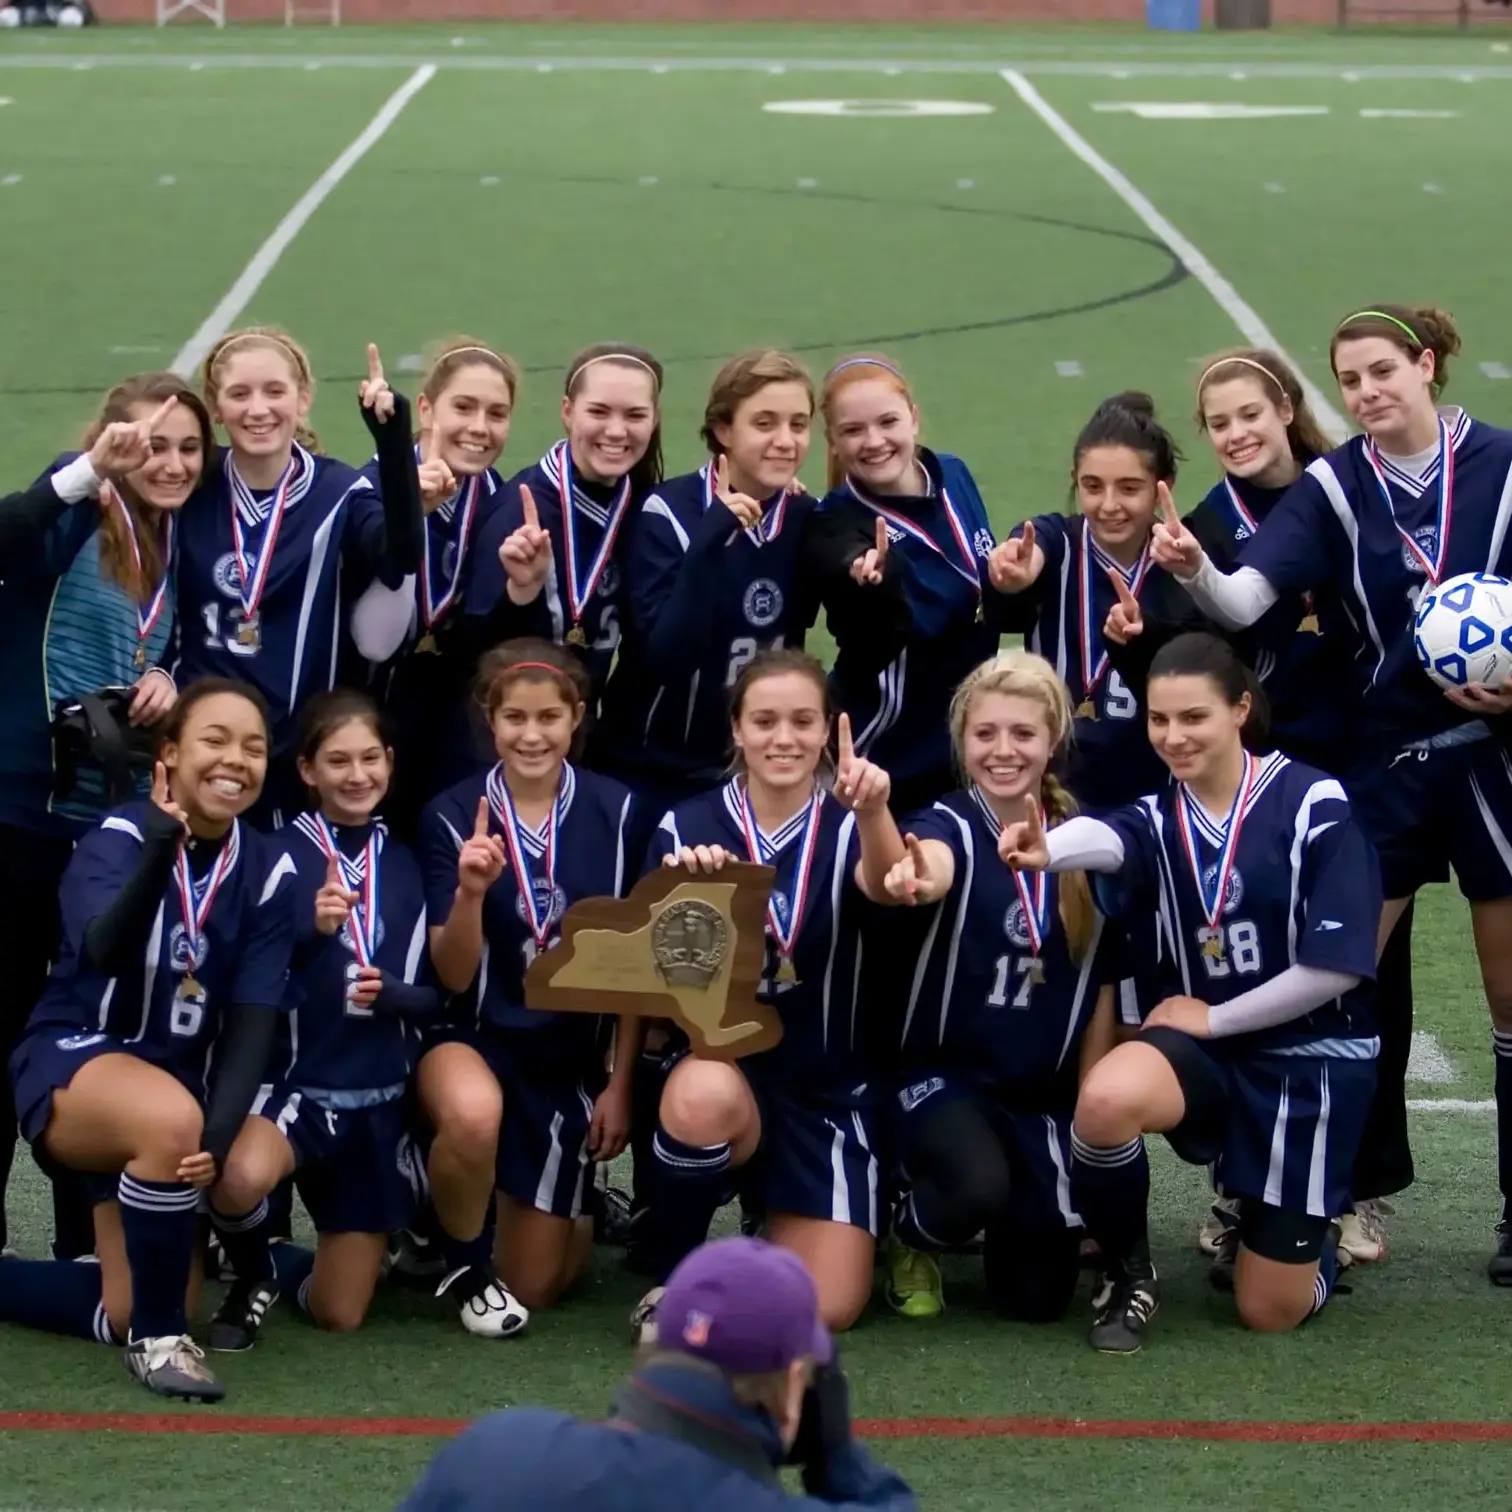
255	579
579	592
969	570
149	613
1033	891
432	605
1212	906
1432	566
768	527
1093	675
761	851
197	900
519	858
360	877
1246	519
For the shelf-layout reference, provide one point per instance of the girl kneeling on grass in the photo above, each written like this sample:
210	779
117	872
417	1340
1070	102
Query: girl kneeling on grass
332	1114
177	925
1011	1002
1261	1060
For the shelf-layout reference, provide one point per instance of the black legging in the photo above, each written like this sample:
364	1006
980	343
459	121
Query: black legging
1384	1164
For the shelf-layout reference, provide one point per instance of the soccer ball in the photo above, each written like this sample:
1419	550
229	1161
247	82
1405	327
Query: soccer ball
70	15
10	16
1464	631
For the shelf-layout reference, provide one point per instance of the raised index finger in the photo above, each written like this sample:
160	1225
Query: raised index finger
528	503
722	476
161	413
843	735
1167	506
480	823
375	364
1121	588
881	538
333	872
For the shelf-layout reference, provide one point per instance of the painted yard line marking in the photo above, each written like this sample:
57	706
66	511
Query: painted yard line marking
1412	115
1450	1105
239	295
1174	68
1247	1432
1495	370
1244	316
1069	369
1426	1061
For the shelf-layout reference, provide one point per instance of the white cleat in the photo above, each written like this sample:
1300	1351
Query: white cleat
643	1318
486	1308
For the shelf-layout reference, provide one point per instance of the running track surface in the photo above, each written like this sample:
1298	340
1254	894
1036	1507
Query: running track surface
1245	1432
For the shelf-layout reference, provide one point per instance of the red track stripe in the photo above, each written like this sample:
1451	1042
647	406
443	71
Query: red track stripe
1244	1432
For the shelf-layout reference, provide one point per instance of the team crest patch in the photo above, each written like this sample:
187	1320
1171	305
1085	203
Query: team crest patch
696	1330
762	603
547	896
227	574
1016	927
609	582
346	934
80	1041
1233	892
181	956
910	1097
1426	537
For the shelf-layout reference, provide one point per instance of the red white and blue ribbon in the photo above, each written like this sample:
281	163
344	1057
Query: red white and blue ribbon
359	876
1248	524
1092	674
149	613
537	916
773	515
579	589
760	850
1033	890
1432	566
433	605
1212	903
198	898
967	566
254	565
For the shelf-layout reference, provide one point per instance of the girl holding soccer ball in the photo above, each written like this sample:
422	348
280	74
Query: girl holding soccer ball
1419	498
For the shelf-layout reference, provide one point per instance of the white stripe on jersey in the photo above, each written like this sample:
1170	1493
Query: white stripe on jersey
552	1170
105	998
1334	491
1302	832
1083	980
837	893
1215	830
320	545
692	703
1493	830
582	1176
1277	1168
968	842
149	972
619	845
1062	1176
1332	1049
890	681
416	953
1499	531
1170	912
871	1174
124	826
1319	1160
658	506
651	714
840	1210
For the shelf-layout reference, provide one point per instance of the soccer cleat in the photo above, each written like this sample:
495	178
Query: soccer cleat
1362	1232
1222	1217
1125	1302
1221	1272
239	1317
1499	1267
643	1318
486	1307
612	1218
173	1366
914	1287
414	1259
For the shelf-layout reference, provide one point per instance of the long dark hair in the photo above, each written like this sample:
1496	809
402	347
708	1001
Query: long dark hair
1128	419
646	473
1201	654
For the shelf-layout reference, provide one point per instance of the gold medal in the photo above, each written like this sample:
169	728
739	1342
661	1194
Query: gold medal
787	972
249	633
577	636
1086	710
1212	944
427	645
1309	625
190	987
140	659
1036	971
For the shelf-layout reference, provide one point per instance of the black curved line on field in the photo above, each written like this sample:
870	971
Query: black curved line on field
1174	274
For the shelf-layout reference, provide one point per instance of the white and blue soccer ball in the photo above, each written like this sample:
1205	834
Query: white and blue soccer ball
1464	630
10	15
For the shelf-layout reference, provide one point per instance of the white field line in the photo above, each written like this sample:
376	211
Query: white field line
1245	317
1426	1061
1459	1105
650	63
239	295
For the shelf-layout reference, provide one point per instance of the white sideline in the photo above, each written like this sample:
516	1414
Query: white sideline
1251	326
239	295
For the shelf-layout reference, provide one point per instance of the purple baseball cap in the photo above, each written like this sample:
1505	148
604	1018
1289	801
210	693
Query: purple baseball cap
745	1306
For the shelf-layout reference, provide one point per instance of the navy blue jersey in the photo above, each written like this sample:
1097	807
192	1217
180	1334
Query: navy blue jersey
578	853
941	542
817	996
996	992
579	606
1336	529
329	1044
331	517
701	597
1110	759
167	1008
1288	879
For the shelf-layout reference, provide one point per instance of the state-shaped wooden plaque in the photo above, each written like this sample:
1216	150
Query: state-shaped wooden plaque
688	946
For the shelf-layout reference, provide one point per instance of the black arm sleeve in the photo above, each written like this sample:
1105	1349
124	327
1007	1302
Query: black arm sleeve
242	1052
411	999
871	621
399	483
25	517
113	939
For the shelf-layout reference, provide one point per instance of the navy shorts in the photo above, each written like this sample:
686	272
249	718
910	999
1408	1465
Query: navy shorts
1277	1128
1037	1145
356	1168
549	1086
1430	810
818	1159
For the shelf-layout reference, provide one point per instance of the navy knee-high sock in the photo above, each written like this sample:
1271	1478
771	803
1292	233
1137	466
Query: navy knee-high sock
61	1296
1328	1273
245	1237
1501	1044
294	1266
158	1218
692	1183
1111	1189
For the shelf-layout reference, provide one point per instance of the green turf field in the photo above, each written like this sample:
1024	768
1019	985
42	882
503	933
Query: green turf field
549	187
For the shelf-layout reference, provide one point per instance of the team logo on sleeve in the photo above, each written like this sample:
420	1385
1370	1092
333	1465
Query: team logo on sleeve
910	1097
183	956
762	603
1426	537
227	574
551	901
1016	927
80	1041
1233	892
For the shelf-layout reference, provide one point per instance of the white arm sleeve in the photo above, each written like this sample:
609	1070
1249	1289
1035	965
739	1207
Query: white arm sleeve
1083	844
1298	990
381	619
1235	599
76	482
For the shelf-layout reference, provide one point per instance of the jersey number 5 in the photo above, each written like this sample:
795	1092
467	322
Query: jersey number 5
1017	971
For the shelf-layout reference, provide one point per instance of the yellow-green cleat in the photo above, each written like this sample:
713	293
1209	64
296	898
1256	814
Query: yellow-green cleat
914	1287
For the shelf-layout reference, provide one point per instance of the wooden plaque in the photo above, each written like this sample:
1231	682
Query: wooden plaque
689	946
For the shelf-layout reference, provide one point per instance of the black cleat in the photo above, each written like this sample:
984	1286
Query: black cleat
612	1218
239	1317
1499	1267
1127	1299
173	1366
1226	1253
